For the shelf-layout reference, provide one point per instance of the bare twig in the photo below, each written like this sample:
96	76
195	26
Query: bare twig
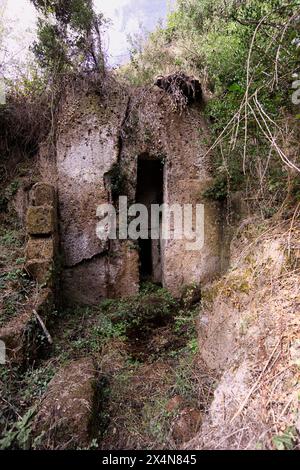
47	334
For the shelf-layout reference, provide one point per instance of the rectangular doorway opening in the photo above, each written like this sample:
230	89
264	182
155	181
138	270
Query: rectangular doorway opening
150	182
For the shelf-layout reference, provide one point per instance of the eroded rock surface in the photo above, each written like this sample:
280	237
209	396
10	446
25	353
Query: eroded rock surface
101	141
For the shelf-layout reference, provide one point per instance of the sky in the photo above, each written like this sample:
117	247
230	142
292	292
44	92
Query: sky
127	17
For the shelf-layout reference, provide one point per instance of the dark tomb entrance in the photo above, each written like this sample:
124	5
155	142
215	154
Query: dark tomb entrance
150	179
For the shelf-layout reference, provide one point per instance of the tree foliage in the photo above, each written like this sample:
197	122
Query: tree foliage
246	54
68	45
68	36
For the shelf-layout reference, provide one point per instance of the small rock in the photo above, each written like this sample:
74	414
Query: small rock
186	425
204	320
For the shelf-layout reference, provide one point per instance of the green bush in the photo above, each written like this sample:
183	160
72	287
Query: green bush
246	54
150	305
68	36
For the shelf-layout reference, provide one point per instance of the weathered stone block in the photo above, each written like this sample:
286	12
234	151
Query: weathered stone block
43	194
40	248
41	271
40	220
69	408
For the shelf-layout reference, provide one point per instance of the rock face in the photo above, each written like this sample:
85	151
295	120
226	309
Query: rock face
101	142
66	414
87	148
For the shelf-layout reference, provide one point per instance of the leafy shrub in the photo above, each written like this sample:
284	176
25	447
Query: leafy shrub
141	310
245	54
